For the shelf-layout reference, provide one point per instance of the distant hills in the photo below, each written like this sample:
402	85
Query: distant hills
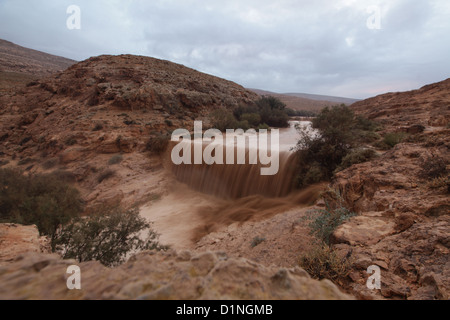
304	101
17	59
19	65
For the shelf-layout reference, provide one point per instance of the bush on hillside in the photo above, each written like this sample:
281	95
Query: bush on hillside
46	201
337	133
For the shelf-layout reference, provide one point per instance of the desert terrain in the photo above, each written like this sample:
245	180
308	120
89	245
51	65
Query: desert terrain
74	118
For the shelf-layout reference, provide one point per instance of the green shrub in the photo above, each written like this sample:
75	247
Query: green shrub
223	119
105	175
253	119
356	156
325	221
338	132
390	140
257	241
158	143
107	236
44	200
322	262
50	163
70	141
116	159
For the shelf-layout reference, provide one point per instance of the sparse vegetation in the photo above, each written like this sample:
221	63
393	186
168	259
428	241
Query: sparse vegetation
107	236
322	262
356	156
257	241
325	221
433	168
98	127
70	141
390	140
105	175
116	159
50	163
158	144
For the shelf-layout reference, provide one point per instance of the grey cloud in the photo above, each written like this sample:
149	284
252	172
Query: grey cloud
319	47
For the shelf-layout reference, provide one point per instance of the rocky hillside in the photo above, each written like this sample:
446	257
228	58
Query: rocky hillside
77	120
17	59
402	199
428	106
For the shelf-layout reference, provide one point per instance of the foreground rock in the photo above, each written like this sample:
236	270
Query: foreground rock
161	276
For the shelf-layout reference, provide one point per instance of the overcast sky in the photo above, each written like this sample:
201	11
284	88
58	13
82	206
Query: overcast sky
345	48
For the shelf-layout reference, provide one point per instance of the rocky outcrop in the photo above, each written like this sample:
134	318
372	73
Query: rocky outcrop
162	276
17	239
402	200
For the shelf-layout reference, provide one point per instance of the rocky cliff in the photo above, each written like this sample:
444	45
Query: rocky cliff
403	199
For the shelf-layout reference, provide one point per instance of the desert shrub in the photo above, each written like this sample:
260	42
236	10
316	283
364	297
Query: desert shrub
50	163
223	119
300	113
390	140
105	175
98	127
322	262
257	241
337	133
263	127
107	236
116	159
356	156
438	183
253	119
157	144
25	161
434	167
323	222
44	200
70	141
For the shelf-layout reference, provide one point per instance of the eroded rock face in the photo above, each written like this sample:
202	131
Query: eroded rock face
17	239
403	224
161	276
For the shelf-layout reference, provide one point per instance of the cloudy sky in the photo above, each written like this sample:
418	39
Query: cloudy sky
351	48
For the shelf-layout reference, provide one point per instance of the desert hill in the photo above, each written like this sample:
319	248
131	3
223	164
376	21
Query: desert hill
306	102
17	59
428	106
105	106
